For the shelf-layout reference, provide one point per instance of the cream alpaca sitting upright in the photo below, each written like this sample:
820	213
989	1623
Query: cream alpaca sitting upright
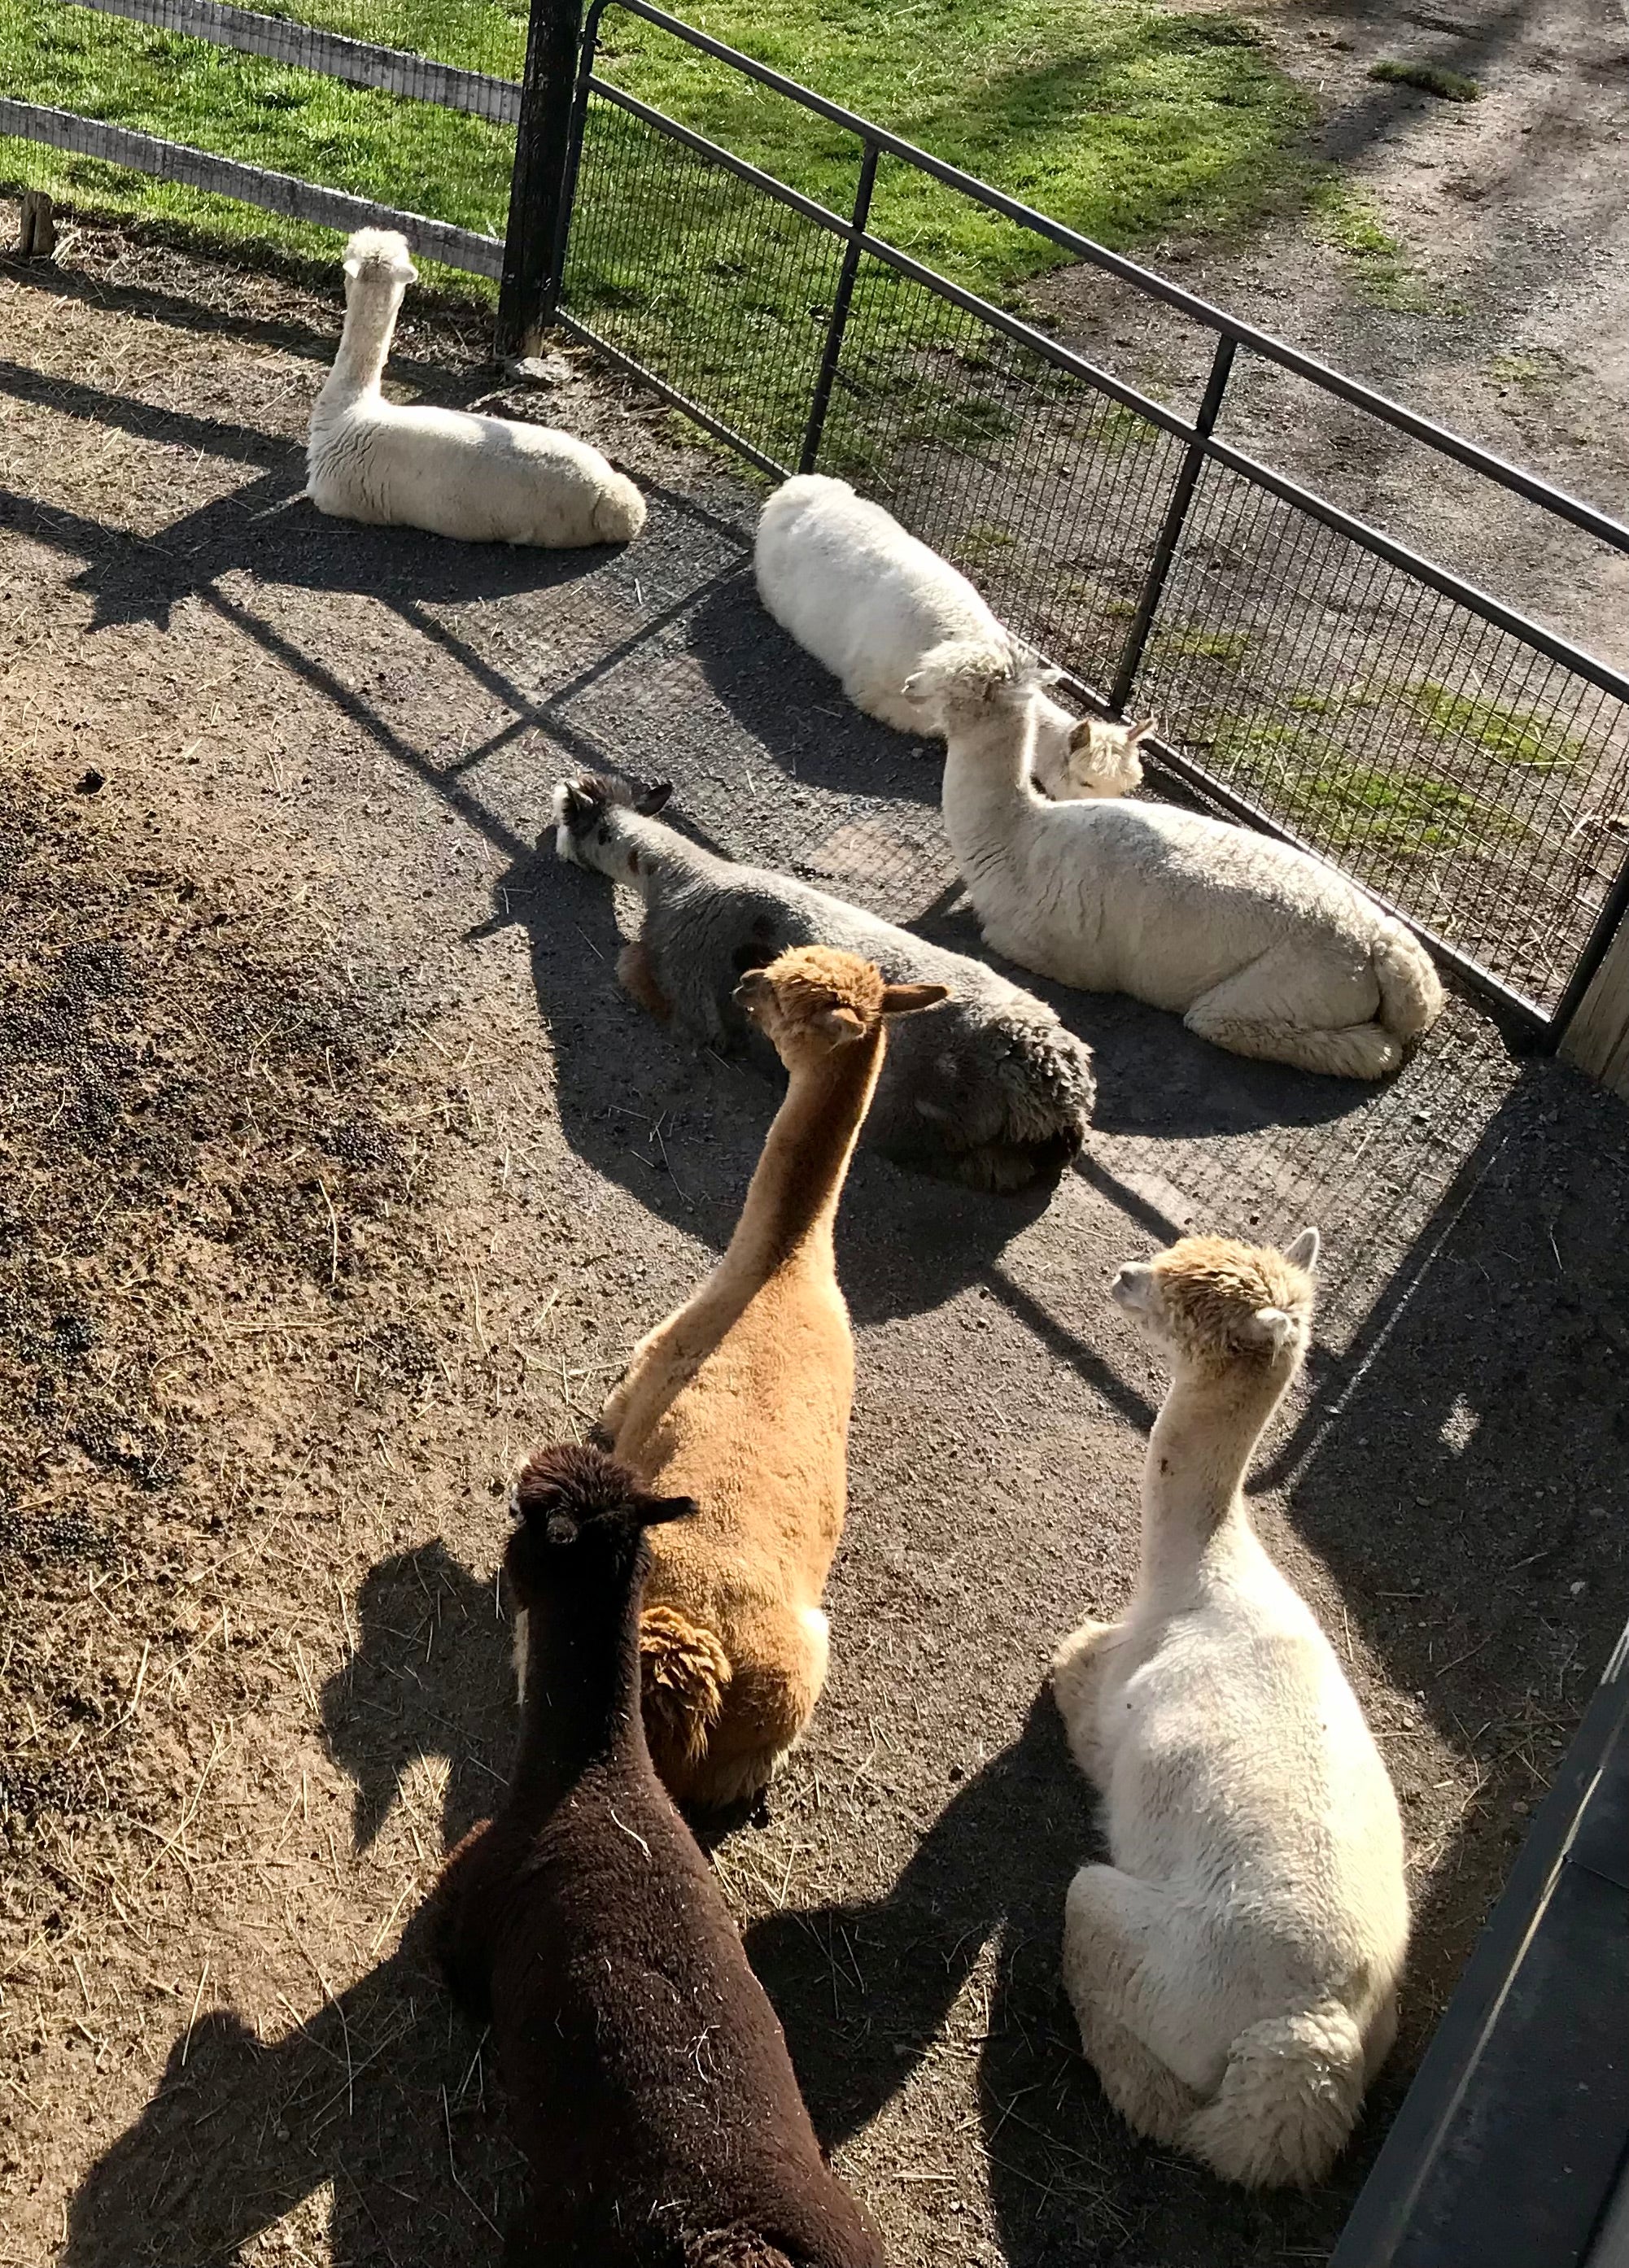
742	1400
843	578
481	480
1257	945
1235	1970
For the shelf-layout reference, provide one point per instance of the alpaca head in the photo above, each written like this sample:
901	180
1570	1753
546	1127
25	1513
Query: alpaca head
965	679
813	1000
1103	759
583	1519
378	255
1211	1306
585	833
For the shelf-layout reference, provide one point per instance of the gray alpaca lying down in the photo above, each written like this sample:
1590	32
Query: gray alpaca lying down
990	1090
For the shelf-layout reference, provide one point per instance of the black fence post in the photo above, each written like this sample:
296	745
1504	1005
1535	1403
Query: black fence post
1170	533
538	185
838	324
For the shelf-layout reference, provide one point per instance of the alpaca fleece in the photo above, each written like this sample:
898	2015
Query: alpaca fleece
481	480
993	1091
1259	948
1235	1970
742	1400
645	2074
871	602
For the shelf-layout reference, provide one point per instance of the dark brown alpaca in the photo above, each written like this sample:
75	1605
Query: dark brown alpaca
646	2075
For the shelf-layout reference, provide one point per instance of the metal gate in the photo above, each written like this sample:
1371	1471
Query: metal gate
1313	674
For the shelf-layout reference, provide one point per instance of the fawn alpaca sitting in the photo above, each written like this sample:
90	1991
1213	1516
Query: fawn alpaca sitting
1235	1970
872	602
1258	946
644	2069
481	480
742	1399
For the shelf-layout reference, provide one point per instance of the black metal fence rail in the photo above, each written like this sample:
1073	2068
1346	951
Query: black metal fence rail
1313	673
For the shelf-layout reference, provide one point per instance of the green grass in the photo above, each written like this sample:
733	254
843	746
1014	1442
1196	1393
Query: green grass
1515	736
1309	783
1430	79
1119	118
1345	220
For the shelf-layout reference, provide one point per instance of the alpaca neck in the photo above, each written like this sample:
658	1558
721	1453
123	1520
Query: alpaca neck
1193	1475
792	1200
582	1693
988	787
371	311
665	858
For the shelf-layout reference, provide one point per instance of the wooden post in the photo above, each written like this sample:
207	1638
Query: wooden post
537	187
1597	1038
37	236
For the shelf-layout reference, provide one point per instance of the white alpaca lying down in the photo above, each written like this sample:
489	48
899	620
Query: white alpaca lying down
1258	946
482	480
1235	1970
871	602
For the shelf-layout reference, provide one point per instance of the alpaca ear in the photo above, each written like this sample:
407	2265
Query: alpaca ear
652	800
1133	1286
1304	1250
907	999
573	803
840	1025
656	1511
914	689
1081	736
1135	735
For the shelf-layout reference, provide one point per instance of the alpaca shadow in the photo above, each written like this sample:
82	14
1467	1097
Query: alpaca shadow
867	1994
268	527
795	710
682	1125
1154	1077
430	1677
871	1995
376	2095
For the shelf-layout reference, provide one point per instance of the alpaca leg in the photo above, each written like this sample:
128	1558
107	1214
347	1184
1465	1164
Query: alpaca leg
637	974
1078	1668
1315	1010
769	1701
1111	1921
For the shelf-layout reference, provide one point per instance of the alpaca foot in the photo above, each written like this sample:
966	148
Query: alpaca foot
637	974
1346	1051
1077	1679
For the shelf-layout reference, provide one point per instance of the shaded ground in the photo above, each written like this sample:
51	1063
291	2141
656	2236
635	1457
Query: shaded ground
339	1174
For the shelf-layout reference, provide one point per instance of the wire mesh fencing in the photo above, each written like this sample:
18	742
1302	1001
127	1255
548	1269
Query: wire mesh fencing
1310	673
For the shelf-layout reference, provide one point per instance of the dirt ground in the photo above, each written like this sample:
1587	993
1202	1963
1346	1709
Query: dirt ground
1501	308
339	1174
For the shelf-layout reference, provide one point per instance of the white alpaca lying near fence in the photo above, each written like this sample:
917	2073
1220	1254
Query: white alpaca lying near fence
1235	1970
871	602
482	480
1258	946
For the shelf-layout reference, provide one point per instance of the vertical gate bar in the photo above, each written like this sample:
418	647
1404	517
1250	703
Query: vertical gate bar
1170	533
1613	914
838	324
537	184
